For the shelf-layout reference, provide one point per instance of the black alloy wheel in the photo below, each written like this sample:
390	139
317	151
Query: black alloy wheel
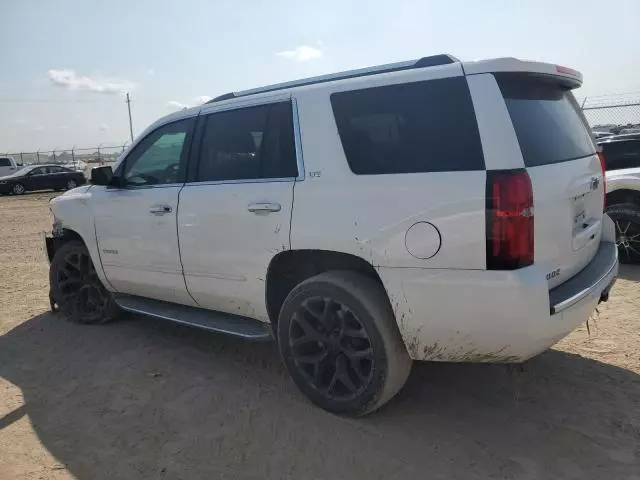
340	342
628	240
331	348
626	218
76	287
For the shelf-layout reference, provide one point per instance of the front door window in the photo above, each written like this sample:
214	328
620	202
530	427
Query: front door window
160	158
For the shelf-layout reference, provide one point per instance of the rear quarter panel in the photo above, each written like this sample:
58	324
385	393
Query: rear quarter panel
369	215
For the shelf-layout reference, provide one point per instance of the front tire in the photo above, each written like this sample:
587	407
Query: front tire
17	189
626	218
340	343
76	288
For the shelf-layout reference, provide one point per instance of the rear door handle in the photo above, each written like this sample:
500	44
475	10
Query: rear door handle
264	207
160	209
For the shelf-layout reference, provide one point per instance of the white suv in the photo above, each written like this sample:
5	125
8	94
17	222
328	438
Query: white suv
427	210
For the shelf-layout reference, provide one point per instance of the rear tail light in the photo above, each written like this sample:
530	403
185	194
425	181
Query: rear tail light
509	220
603	166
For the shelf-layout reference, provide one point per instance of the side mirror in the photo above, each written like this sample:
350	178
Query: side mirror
102	175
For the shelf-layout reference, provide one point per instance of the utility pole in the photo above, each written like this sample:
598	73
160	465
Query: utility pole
130	122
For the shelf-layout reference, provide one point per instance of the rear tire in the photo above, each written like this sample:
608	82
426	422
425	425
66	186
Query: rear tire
71	184
76	288
626	218
339	340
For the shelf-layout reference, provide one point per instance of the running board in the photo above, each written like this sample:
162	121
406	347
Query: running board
211	320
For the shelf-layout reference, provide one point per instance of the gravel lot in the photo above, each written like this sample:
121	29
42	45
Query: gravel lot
147	399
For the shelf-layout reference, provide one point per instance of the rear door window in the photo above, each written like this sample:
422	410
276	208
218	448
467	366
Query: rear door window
621	155
409	128
546	118
4	162
248	143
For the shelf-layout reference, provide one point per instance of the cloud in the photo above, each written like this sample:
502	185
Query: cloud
39	128
192	103
62	127
175	104
20	121
202	99
71	81
302	53
151	72
104	127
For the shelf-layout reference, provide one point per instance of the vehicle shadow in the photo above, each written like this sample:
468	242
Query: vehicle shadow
143	398
630	272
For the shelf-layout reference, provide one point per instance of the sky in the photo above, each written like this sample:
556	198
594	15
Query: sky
66	64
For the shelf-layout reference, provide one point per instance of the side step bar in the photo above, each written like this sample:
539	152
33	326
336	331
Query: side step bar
221	322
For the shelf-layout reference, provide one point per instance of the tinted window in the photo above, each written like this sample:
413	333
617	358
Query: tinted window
414	127
546	118
621	155
57	170
248	143
4	162
160	158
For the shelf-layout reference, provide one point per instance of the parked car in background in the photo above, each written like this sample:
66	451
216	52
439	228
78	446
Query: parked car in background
622	159
629	130
9	165
41	177
601	134
443	211
624	136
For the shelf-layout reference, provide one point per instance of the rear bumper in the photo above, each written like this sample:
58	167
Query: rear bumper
493	316
593	281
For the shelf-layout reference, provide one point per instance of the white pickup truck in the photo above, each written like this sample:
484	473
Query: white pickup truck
8	166
427	210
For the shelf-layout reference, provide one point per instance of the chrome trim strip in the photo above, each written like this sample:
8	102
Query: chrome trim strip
572	300
297	134
252	180
142	187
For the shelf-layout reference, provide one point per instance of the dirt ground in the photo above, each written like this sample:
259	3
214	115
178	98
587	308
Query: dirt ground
143	398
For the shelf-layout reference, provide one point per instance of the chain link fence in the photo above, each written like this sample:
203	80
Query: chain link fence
619	114
81	159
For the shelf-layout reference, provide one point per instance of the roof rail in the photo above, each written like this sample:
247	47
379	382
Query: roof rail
431	61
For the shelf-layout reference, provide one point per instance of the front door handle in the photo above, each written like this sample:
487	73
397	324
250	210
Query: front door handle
160	209
264	207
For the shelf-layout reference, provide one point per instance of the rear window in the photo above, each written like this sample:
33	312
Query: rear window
409	128
546	118
621	155
4	162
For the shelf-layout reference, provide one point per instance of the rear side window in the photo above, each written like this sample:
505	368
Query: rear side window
409	128
248	143
621	155
4	162
546	118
